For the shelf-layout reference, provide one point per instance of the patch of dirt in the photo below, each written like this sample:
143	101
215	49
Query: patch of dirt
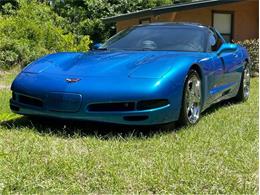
3	72
3	84
4	87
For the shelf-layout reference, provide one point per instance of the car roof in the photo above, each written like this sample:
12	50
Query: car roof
183	24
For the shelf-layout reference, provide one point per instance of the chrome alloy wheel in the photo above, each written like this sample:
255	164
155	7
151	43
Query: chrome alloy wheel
193	98
246	82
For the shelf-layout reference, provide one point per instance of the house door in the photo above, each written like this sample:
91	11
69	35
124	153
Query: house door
223	22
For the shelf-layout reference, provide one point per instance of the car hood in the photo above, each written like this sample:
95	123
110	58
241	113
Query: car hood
133	64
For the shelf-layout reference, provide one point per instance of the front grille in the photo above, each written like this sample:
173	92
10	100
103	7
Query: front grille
30	101
110	107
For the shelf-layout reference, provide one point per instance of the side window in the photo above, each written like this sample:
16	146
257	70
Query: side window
215	42
212	41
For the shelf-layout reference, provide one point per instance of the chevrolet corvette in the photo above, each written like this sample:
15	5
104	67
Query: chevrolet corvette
145	75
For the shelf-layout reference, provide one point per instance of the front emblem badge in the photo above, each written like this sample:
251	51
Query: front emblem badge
72	80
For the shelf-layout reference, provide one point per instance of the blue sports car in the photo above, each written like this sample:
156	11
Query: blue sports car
148	74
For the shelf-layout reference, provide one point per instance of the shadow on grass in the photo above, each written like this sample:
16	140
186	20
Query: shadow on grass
219	105
68	128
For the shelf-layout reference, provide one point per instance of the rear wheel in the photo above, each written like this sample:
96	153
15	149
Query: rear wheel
244	89
191	102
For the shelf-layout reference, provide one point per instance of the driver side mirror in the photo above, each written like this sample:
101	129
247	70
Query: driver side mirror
226	47
96	46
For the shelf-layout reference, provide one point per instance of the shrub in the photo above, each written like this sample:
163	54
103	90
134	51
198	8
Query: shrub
253	50
33	31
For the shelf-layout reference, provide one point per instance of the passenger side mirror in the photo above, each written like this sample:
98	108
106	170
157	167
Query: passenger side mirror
96	46
227	47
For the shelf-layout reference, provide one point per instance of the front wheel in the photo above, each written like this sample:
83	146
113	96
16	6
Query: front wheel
244	89
191	102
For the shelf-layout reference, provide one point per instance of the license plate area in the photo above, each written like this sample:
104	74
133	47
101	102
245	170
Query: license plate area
64	102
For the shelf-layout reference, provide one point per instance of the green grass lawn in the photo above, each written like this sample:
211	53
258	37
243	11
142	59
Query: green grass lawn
218	155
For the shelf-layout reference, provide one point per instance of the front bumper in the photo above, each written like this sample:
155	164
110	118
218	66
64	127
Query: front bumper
160	115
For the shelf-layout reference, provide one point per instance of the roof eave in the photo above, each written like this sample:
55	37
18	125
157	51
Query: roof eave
167	9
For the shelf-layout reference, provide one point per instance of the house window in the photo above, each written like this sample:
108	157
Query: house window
145	21
223	22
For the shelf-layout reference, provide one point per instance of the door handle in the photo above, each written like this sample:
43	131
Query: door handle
222	60
223	64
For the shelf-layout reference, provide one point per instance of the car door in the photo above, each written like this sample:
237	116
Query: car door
231	61
223	67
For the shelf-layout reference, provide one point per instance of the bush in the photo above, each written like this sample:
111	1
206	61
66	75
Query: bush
33	31
253	50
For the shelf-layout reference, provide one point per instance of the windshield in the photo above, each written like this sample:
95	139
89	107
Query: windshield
173	38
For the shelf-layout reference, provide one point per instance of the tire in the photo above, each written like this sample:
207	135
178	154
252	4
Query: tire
244	88
191	100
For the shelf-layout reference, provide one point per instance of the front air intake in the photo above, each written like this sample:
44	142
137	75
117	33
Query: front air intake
112	107
30	101
151	104
136	118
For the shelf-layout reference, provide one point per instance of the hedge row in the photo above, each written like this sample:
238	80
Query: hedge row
253	50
